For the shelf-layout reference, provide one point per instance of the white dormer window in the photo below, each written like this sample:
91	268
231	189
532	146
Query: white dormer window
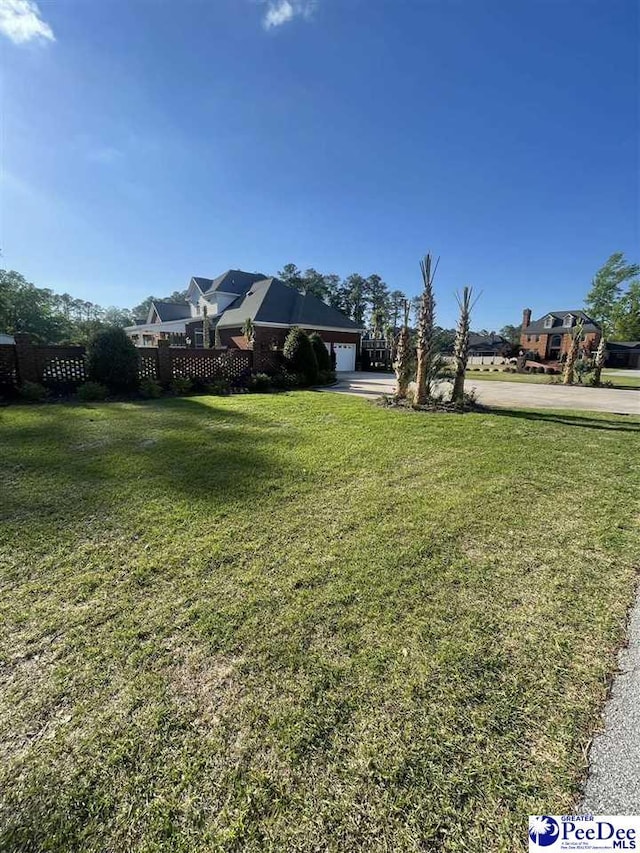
568	320
548	322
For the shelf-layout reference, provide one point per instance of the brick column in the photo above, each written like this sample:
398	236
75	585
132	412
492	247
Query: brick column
165	373
26	358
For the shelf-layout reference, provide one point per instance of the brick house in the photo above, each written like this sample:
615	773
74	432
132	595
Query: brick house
228	301
549	338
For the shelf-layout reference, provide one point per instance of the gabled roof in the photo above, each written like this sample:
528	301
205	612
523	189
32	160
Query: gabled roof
538	327
483	343
273	301
203	283
231	281
623	346
488	342
170	310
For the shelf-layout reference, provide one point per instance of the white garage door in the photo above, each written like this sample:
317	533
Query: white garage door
345	356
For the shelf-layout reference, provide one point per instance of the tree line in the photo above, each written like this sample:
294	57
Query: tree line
613	301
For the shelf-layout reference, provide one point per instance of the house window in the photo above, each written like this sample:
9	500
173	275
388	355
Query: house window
548	322
537	339
568	321
556	342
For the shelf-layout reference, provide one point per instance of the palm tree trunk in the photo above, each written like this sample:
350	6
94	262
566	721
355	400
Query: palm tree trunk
426	317
568	375
402	364
206	333
461	346
598	362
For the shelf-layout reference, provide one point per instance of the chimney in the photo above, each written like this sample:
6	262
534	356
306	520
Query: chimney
526	318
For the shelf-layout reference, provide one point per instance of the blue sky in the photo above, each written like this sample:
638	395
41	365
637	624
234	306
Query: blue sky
146	141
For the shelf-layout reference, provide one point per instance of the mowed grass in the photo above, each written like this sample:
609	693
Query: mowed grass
498	375
304	623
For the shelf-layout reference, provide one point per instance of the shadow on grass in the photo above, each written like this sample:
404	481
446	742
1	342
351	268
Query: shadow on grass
604	422
98	456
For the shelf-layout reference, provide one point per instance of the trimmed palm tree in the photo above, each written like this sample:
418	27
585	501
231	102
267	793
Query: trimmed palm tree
426	337
461	345
248	330
206	332
598	361
402	364
569	374
377	322
389	341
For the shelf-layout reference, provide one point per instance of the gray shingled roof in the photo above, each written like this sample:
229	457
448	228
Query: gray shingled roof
487	342
172	310
203	283
273	301
233	281
623	345
537	326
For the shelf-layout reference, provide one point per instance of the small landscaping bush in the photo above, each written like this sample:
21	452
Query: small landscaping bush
259	383
326	377
605	383
300	356
150	389
219	387
539	369
322	353
33	392
284	380
181	385
91	392
112	360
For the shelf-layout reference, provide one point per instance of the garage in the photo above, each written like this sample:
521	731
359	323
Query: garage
345	357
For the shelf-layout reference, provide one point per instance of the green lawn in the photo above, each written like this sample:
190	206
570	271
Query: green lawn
304	623
624	382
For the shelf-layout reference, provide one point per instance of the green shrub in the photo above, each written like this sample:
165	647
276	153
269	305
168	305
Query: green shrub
284	380
322	353
91	392
219	387
34	392
112	360
259	383
539	369
181	385
326	377
150	389
300	355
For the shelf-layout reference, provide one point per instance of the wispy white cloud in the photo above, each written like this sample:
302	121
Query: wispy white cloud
281	11
106	154
20	21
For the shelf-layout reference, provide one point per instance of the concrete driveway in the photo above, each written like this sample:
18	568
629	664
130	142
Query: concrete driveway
519	395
